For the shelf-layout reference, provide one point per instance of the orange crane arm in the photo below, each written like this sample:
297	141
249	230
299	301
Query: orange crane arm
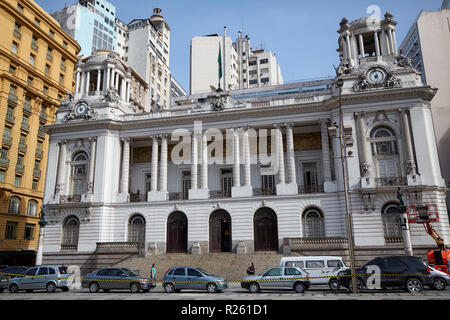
437	238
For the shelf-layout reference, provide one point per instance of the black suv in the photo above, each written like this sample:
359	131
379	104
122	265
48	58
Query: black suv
7	273
409	273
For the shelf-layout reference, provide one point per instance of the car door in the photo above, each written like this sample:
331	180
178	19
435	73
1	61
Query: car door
103	277
291	275
41	278
316	270
26	282
395	271
195	279
179	279
381	264
271	279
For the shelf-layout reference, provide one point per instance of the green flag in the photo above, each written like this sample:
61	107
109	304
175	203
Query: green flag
219	60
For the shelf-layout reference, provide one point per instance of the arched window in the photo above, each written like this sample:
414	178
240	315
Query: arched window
313	224
383	143
32	208
71	228
136	229
390	215
14	205
79	171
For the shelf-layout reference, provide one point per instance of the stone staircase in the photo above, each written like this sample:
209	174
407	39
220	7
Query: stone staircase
229	265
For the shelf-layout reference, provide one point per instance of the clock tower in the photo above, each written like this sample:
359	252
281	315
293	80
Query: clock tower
369	58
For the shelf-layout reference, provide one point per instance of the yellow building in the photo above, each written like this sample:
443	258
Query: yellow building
37	60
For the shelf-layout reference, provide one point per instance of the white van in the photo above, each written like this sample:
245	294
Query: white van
322	270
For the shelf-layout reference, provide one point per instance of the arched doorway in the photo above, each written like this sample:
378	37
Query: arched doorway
265	230
177	227
136	229
220	231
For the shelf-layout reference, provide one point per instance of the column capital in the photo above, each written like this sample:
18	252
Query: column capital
278	125
324	120
125	139
63	141
92	139
402	110
359	114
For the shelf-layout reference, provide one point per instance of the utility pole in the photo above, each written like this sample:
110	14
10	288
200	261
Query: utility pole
404	224
350	240
42	223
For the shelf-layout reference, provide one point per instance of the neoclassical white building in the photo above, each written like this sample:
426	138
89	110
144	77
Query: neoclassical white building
247	170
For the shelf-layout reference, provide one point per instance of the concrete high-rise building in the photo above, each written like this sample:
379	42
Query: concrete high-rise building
148	55
37	61
122	39
256	67
428	45
205	65
242	67
91	23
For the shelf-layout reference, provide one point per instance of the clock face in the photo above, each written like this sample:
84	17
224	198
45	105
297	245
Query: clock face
81	108
376	76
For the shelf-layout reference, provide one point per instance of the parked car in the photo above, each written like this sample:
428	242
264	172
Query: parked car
440	279
116	279
47	278
322	270
293	278
7	273
178	278
407	272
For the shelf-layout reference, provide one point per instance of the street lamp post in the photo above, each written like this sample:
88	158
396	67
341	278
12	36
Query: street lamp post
42	223
404	223
350	241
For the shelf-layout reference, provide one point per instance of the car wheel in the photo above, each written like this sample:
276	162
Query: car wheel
299	287
51	287
439	284
29	290
253	287
13	288
169	288
211	288
135	287
334	284
359	285
414	285
94	287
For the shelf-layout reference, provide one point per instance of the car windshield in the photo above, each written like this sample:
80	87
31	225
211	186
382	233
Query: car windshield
130	273
203	271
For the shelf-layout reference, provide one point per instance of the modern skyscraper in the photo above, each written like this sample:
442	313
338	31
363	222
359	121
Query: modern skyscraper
37	59
428	43
91	23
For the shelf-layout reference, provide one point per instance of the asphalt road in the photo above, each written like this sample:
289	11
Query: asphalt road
234	292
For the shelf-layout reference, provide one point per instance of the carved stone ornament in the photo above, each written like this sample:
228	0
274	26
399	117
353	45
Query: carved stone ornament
342	68
218	103
364	169
67	100
403	61
410	167
112	96
369	201
389	81
82	110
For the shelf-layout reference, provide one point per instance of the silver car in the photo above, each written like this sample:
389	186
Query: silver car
116	279
47	278
293	278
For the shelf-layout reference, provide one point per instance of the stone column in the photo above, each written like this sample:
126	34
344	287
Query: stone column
97	91
394	40
344	48
77	82
362	145
377	43
290	153
236	163
88	74
125	166
386	41
122	90
391	41
163	165
92	164
113	72
107	80
247	163
127	92
349	50
116	82
204	174
326	162
194	161
83	81
60	183
154	177
361	46
281	173
410	164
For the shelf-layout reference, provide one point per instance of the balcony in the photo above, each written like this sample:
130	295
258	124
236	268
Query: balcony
7	141
20	168
327	243
390	240
34	46
177	196
310	189
39	153
4	163
218	194
69	247
10	118
12	99
22	147
41	134
391	181
70	198
264	192
63	67
49	57
135	197
43	116
17	34
36	174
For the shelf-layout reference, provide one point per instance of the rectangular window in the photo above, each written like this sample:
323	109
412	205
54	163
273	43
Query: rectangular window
17	181
252	63
186	184
29	82
315	264
37	22
35	185
10	230
2	175
253	81
19	8
17	33
14	47
45	90
29	231
51	33
32	59
264	80
227	182
263	61
47	69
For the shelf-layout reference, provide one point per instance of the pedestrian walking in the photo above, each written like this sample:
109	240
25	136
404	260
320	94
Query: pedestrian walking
153	272
251	270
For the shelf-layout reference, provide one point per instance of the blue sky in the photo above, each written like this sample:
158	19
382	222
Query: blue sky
301	33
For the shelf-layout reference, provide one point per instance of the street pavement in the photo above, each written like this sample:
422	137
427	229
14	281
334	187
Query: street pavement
234	292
